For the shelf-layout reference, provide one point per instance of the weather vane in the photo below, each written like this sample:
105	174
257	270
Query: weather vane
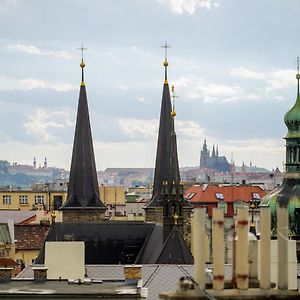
82	49
298	64
166	46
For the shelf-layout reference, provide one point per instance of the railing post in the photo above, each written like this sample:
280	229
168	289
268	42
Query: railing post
265	248
218	248
242	267
198	245
282	247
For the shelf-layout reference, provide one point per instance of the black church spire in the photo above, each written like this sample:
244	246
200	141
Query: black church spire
83	190
172	187
163	143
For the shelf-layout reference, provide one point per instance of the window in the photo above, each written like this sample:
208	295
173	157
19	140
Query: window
255	196
223	205
23	199
6	199
39	199
219	196
190	196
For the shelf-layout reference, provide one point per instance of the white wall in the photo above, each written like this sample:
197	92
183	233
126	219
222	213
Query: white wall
65	260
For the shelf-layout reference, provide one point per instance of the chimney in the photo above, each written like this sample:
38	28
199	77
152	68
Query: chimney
132	273
5	274
40	273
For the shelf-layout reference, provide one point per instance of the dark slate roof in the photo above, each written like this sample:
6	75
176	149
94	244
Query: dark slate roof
30	236
83	189
173	251
156	278
121	242
105	243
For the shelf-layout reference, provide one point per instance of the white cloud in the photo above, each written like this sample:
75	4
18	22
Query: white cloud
26	84
58	154
30	49
281	79
6	4
197	88
188	6
138	128
274	80
148	129
39	124
140	99
246	73
189	130
123	87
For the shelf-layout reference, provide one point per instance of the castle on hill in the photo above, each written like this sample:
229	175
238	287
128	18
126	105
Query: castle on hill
213	161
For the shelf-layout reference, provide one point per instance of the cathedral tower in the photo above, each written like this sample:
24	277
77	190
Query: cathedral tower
83	203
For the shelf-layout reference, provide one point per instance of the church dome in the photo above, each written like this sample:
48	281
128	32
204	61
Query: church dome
288	193
292	117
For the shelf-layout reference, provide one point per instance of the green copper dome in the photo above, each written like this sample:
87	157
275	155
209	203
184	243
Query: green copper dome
288	193
292	117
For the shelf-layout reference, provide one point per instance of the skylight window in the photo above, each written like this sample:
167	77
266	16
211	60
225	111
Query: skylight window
190	196
255	196
219	196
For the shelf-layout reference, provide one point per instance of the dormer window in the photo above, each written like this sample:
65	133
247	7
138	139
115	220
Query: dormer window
255	196
190	196
220	196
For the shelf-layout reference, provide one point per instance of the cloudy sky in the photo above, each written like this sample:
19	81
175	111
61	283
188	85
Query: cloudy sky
233	64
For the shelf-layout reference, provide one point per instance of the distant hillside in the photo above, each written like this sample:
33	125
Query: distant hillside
23	176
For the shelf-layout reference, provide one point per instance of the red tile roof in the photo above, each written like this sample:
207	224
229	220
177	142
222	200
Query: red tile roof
231	193
30	236
7	262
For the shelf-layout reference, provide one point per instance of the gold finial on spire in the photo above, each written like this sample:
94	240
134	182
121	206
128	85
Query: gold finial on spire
173	112
298	63
166	63
82	64
175	217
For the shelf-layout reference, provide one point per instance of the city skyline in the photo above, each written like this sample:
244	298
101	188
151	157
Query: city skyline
233	70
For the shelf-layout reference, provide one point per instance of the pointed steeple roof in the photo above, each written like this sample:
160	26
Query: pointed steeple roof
213	154
163	143
204	146
83	190
175	250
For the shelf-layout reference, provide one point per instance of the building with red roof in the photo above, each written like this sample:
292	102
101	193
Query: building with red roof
226	196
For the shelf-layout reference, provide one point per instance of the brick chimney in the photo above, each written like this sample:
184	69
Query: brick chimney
132	273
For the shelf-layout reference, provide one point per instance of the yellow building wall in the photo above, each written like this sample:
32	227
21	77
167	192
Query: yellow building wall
48	199
112	194
27	256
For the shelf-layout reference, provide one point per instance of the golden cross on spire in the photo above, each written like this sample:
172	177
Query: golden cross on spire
82	49
166	46
82	64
